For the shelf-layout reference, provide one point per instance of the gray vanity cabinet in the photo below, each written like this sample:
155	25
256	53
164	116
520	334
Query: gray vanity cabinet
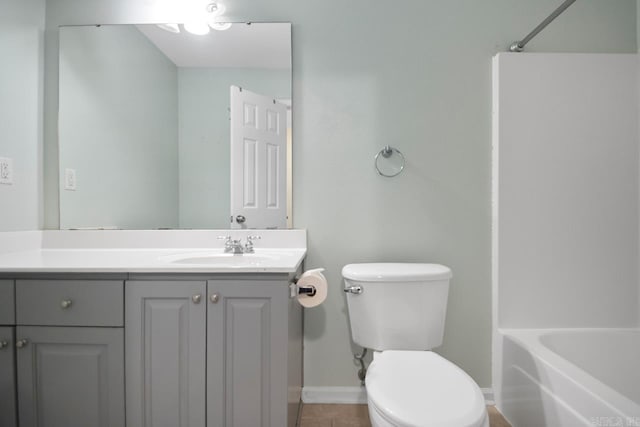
7	378
7	303
247	353
8	417
69	343
226	341
165	325
71	377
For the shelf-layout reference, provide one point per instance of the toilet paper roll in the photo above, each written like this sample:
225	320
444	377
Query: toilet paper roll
316	279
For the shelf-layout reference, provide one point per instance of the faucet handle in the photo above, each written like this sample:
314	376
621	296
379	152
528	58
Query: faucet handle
248	247
227	241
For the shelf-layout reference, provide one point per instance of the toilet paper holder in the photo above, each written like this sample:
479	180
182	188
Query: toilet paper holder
301	290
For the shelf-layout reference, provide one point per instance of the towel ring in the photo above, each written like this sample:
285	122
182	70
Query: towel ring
386	153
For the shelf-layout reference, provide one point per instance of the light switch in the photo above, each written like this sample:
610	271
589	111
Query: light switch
70	179
6	170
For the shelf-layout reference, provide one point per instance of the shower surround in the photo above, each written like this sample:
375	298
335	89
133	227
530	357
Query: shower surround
565	237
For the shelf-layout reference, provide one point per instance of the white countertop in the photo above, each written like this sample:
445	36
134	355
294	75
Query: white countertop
149	251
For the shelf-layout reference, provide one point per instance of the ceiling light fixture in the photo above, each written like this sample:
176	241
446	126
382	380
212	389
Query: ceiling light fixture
214	12
220	26
216	9
197	28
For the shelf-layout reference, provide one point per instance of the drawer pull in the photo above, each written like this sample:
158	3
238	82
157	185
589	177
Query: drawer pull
196	298
3	344
215	298
66	303
22	343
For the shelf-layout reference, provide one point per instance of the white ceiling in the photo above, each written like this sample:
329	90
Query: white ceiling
256	45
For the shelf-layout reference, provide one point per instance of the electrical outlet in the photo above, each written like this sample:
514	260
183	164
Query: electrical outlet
70	179
6	170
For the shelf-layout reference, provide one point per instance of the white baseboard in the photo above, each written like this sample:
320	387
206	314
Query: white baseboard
356	395
350	395
488	396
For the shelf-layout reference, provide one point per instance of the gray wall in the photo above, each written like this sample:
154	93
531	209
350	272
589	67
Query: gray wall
414	74
204	137
118	129
21	88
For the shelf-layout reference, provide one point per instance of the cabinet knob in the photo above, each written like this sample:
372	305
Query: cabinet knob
4	344
196	298
66	303
22	343
215	298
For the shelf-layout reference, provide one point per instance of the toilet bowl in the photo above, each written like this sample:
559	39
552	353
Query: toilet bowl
420	389
398	310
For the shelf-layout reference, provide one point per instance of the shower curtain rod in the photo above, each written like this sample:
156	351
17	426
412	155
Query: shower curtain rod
519	46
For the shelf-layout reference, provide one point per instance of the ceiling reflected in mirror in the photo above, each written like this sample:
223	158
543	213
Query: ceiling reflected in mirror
241	46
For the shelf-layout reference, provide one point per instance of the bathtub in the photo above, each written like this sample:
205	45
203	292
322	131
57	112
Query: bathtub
570	377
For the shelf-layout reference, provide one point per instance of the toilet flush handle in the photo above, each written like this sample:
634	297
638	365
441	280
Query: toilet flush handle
354	290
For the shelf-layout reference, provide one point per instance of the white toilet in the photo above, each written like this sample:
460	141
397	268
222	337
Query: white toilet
398	310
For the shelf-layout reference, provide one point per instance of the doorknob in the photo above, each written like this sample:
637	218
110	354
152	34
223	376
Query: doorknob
240	219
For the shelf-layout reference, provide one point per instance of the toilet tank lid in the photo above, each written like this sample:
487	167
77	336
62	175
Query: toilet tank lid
388	271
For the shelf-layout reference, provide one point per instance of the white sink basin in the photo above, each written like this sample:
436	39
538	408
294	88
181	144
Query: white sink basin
227	260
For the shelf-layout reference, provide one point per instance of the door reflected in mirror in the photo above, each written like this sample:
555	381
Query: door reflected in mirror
149	137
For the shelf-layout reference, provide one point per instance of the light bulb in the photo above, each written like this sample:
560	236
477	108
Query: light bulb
216	9
197	28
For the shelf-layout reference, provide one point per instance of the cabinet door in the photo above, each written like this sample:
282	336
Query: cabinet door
7	379
70	376
165	339
247	354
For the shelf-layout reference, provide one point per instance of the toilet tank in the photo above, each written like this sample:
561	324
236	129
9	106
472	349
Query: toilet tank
397	306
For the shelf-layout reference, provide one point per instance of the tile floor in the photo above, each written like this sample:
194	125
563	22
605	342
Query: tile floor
358	416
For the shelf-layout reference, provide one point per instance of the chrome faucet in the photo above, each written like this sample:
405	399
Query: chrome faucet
248	247
231	245
236	247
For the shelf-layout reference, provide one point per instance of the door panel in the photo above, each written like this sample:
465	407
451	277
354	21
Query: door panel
7	378
70	377
165	336
246	331
258	160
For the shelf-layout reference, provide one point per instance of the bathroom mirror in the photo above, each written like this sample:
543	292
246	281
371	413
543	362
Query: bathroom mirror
146	125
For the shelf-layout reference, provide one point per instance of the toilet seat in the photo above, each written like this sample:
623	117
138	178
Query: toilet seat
421	388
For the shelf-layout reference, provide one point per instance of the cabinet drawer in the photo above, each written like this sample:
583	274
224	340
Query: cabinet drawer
7	312
70	302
